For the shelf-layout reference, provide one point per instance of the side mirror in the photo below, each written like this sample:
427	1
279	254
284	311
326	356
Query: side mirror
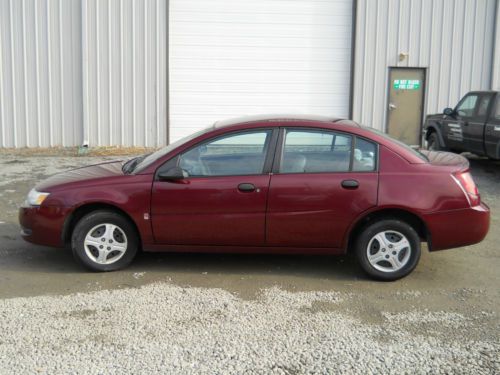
173	174
448	112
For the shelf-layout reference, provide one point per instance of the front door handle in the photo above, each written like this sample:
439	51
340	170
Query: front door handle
246	187
350	184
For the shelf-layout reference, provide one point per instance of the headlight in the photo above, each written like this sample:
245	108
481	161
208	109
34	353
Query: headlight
36	198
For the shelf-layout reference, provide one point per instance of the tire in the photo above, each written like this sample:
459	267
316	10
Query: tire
433	142
104	241
382	252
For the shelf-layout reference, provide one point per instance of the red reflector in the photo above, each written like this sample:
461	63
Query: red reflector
468	185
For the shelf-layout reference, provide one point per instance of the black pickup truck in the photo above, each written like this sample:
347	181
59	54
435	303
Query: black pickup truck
473	125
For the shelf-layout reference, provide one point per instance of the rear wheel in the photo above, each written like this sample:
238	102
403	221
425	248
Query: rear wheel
104	241
388	249
433	142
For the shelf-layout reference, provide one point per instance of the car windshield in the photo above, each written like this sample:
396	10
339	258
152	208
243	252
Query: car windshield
151	158
402	144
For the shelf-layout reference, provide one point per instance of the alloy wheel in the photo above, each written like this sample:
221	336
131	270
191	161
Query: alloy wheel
105	243
388	251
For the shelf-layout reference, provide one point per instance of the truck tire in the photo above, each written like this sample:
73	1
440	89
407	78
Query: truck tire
433	142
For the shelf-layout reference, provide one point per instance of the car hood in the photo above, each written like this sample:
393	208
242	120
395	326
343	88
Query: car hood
436	116
91	173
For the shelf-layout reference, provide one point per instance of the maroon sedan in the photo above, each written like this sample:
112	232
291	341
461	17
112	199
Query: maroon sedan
309	185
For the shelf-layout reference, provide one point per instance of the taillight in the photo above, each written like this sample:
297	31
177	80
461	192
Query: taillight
464	179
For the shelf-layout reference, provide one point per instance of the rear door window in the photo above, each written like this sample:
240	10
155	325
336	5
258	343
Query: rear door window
496	110
365	156
314	151
484	103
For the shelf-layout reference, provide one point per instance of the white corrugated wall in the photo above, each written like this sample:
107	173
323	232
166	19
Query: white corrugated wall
124	72
453	39
495	79
231	58
40	73
83	71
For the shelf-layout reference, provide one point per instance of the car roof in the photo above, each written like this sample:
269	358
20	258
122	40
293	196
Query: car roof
279	118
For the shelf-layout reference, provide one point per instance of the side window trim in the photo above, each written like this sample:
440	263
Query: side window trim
478	98
269	147
278	154
495	111
281	141
489	107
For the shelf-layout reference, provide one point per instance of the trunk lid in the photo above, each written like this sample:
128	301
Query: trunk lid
447	159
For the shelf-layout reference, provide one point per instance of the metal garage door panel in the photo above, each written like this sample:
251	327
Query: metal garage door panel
234	57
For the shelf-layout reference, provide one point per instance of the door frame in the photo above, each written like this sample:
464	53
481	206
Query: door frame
424	97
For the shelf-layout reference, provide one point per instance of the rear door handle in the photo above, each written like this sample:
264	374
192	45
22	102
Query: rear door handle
246	187
350	184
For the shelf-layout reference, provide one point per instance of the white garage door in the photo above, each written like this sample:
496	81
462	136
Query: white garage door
231	58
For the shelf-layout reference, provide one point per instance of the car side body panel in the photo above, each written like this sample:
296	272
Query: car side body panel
306	213
130	194
314	210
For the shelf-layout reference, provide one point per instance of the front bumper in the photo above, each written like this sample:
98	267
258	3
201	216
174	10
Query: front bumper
458	228
43	225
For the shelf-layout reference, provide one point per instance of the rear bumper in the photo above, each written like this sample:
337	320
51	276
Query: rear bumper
43	225
458	228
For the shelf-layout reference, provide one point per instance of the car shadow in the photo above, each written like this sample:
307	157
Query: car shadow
25	257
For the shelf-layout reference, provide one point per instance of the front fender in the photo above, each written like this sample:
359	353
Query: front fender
436	129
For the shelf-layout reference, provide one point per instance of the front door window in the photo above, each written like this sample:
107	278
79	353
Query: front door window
233	155
467	106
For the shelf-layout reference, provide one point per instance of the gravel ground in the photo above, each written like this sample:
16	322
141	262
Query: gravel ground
205	314
170	329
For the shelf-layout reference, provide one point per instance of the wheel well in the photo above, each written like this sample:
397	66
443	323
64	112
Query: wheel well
406	216
429	132
81	211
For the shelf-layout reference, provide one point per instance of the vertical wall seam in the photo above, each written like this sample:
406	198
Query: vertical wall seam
98	73
49	67
110	96
61	72
37	79
122	65
375	60
85	74
452	60
386	73
133	77
157	8
167	72
471	77
460	84
441	55
485	25
365	65
25	74
496	44
146	45
2	102
13	69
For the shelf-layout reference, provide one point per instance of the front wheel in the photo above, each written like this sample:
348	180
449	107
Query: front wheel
433	142
388	249
104	241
